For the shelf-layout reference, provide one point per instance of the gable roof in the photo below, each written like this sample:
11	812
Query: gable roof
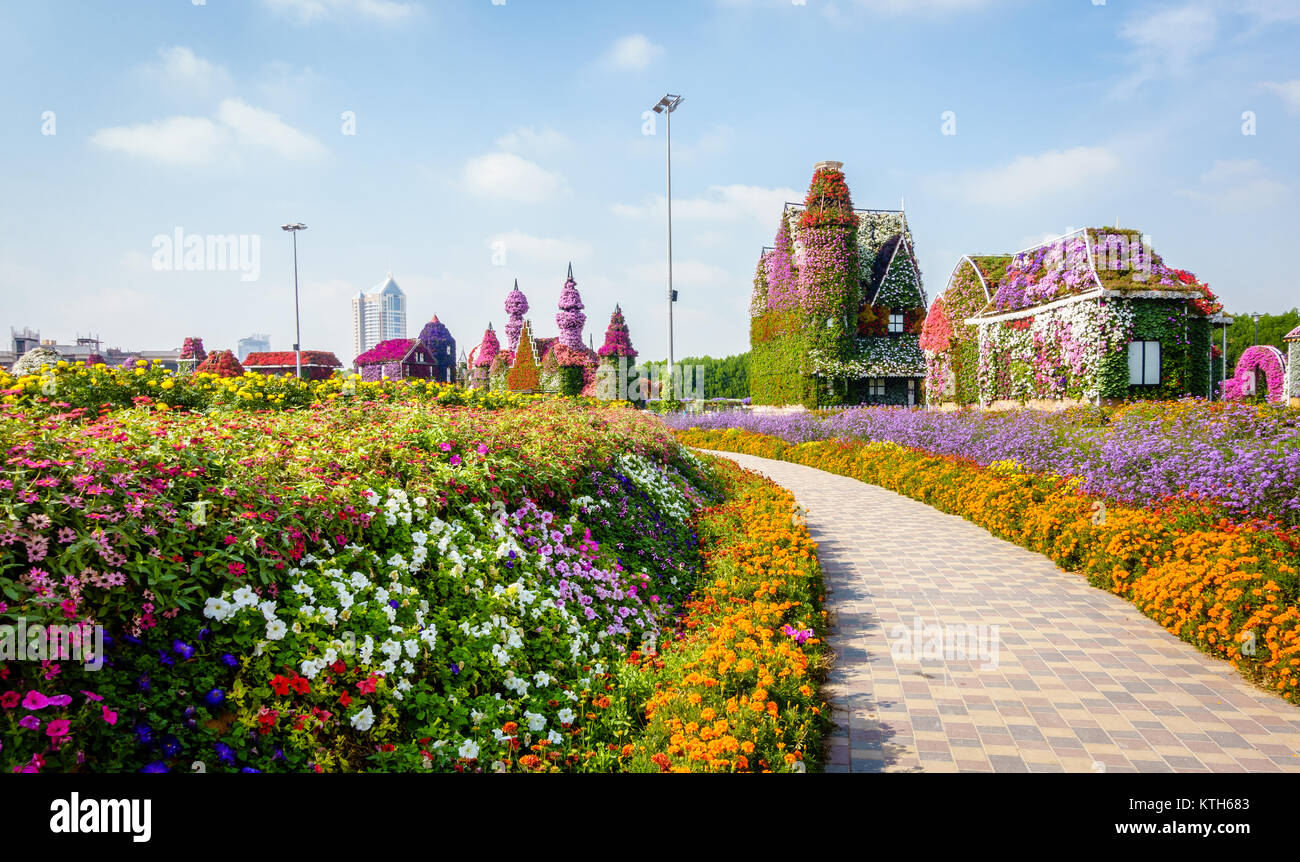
1293	335
1084	263
392	350
888	251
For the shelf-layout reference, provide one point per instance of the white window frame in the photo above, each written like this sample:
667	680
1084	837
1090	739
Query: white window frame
1144	358
897	322
876	387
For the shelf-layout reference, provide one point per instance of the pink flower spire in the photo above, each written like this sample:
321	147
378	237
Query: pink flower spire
570	320
618	342
487	349
516	307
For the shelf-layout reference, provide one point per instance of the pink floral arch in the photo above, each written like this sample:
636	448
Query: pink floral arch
1261	358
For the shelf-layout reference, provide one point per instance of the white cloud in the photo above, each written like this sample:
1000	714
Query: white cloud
1028	178
1238	185
732	203
180	69
538	252
1288	91
311	11
533	142
237	129
633	52
260	129
1167	42
509	177
174	141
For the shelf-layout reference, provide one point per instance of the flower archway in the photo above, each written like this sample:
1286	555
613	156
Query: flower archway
1261	361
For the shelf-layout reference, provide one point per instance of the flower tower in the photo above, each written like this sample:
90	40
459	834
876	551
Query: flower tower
516	308
222	363
481	358
192	354
524	375
615	354
570	319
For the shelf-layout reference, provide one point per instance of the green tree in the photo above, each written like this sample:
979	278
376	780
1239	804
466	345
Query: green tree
1272	327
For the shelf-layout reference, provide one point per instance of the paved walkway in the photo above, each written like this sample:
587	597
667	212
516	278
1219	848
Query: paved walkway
1080	680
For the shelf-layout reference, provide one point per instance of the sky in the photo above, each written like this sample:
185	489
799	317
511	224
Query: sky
463	145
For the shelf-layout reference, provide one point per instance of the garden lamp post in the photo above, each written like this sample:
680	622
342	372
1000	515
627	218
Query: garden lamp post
1256	317
297	329
666	106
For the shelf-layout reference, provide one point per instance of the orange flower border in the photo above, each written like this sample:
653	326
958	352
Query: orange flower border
737	688
1230	588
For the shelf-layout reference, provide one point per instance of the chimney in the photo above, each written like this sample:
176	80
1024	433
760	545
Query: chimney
835	166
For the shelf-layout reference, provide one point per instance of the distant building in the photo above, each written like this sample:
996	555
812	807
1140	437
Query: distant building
254	343
87	349
378	314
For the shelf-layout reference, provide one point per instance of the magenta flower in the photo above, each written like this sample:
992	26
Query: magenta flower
455	460
57	729
35	700
30	722
109	716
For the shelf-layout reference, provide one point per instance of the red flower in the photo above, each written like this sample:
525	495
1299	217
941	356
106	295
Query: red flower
368	685
280	684
345	699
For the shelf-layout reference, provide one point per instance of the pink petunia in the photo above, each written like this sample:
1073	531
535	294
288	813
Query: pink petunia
60	700
109	716
455	460
92	696
57	729
35	700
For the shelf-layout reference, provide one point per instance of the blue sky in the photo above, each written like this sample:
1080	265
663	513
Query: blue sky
496	141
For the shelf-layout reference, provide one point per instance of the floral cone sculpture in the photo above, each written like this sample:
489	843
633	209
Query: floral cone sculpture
571	319
524	375
487	349
618	342
221	363
516	307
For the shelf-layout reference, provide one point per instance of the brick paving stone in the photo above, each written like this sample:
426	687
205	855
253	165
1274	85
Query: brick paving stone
1076	679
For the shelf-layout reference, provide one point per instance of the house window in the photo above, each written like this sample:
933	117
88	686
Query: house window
875	388
1144	363
895	324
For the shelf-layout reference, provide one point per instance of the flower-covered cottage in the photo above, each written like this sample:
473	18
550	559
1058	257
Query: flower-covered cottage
838	304
562	364
316	364
1292	340
429	356
1091	316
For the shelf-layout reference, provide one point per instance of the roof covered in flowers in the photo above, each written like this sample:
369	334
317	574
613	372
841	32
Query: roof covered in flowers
287	358
1091	262
392	350
1293	335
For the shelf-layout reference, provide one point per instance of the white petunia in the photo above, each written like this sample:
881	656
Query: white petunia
275	630
364	719
468	749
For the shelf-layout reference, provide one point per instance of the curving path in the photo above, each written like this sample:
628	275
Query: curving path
1082	681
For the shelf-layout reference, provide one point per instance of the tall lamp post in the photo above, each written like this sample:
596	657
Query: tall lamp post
297	328
666	106
1256	317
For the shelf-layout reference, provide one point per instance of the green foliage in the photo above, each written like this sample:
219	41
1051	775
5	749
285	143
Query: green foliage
1272	328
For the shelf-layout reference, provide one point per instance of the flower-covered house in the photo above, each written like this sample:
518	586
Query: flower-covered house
1091	316
838	304
1292	341
316	364
429	356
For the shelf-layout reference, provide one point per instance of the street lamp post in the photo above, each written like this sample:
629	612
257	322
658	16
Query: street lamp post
666	106
297	328
1256	317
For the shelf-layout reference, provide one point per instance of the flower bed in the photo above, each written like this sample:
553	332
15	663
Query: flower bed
363	586
1243	458
1230	588
737	691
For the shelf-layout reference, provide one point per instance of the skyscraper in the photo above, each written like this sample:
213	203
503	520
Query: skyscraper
255	343
378	314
